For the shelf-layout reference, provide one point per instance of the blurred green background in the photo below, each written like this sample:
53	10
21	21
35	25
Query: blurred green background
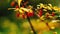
9	24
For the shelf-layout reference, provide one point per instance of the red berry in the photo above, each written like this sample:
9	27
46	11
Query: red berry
23	16
30	14
12	3
40	13
53	14
18	14
17	6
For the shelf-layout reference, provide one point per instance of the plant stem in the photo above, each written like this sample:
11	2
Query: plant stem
30	24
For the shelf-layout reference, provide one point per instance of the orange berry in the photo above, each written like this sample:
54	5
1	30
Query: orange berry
12	3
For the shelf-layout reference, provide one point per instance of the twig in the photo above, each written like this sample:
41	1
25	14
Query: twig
30	24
